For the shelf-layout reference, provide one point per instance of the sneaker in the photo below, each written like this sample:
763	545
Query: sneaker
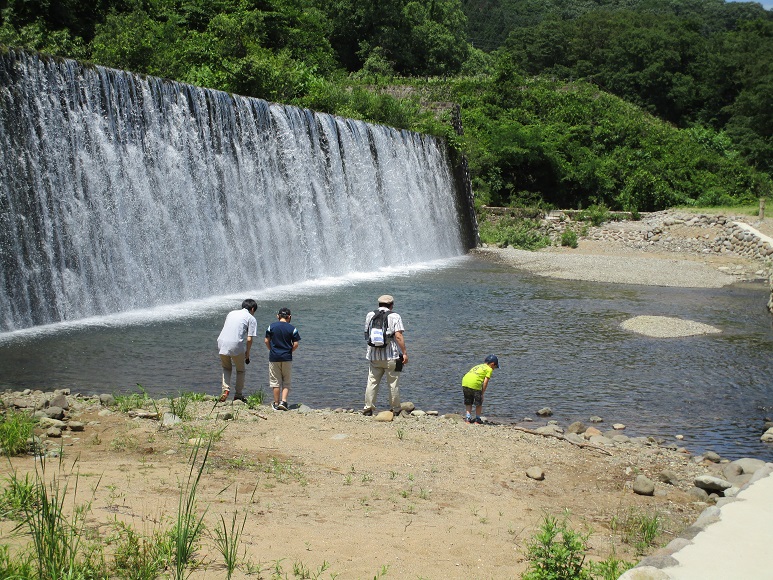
283	406
468	419
240	398
224	397
275	406
367	412
477	420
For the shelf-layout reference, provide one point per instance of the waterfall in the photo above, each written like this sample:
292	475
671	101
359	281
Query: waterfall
120	192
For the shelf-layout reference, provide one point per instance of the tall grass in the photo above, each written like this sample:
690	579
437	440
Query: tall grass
138	400
15	496
556	552
187	531
179	406
255	400
227	537
56	536
515	232
639	529
15	429
139	558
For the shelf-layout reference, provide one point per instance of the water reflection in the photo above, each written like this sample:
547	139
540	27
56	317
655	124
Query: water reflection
559	343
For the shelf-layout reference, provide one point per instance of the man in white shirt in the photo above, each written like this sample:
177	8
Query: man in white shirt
386	360
234	344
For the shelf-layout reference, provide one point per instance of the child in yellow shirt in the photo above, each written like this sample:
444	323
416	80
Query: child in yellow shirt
474	384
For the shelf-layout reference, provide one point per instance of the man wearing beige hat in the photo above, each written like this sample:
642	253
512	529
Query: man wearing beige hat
387	359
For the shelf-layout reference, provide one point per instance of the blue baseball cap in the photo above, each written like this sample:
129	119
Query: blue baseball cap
492	359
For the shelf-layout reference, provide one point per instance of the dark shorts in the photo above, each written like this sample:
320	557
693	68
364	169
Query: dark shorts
473	396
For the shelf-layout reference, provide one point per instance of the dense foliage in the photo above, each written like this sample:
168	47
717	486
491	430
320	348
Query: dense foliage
690	122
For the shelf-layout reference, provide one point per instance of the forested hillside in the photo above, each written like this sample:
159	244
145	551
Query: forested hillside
635	104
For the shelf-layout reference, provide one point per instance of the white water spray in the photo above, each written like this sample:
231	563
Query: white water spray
120	192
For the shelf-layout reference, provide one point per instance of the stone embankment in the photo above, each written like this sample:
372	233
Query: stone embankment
707	235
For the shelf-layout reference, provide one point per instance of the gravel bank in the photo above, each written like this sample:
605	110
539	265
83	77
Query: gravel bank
624	269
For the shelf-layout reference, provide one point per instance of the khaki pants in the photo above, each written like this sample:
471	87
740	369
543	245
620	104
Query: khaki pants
229	362
376	371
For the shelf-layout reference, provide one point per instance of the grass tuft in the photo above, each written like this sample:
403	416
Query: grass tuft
15	430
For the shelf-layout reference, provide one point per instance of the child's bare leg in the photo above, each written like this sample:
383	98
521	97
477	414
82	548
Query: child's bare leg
276	395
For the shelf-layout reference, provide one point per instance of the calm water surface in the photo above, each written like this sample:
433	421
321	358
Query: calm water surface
559	344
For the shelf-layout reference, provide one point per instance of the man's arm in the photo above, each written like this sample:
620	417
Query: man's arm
401	343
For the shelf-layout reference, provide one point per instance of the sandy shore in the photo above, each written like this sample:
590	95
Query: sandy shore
422	497
418	497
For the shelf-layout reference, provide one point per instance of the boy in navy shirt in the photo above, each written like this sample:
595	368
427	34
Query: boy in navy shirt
282	340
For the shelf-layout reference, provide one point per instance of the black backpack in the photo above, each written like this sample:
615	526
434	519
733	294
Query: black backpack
378	333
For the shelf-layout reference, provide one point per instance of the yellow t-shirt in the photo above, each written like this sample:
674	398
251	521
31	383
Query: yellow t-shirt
476	375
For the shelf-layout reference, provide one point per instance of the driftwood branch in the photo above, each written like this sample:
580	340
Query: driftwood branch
557	436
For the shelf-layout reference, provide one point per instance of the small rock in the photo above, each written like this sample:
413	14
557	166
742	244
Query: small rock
767	437
711	483
46	422
596	419
590	432
668	476
225	416
143	414
731	470
713	457
576	427
106	400
535	473
54	432
549	430
59	400
384	417
642	485
600	440
698	494
618	426
574	438
57	412
545	412
170	419
749	465
76	426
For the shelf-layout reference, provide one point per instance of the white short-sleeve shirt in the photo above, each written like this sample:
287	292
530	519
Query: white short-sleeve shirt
239	324
392	350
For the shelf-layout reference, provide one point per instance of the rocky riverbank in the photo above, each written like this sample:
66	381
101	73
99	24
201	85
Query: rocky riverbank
404	492
661	249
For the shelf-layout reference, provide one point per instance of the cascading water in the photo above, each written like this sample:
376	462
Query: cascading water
120	192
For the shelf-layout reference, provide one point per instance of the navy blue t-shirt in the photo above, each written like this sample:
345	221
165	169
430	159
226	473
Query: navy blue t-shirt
281	337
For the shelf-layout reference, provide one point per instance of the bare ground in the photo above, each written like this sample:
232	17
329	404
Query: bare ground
422	497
